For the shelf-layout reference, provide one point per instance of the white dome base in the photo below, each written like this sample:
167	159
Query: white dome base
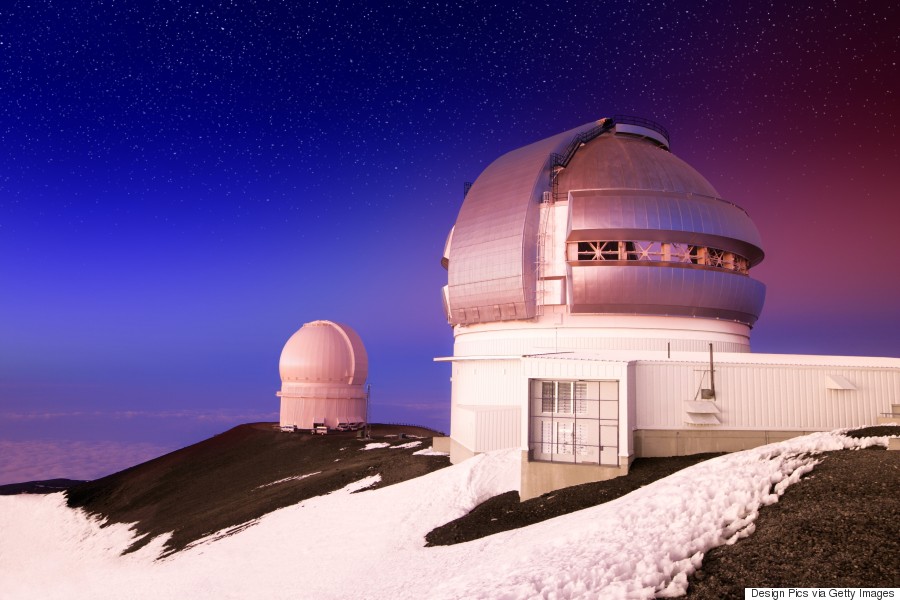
302	413
560	332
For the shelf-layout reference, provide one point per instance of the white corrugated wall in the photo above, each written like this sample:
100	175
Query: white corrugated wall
303	412
764	397
462	425
497	427
486	400
488	383
574	340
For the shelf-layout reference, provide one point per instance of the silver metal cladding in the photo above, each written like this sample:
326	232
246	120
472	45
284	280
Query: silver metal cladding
680	249
491	271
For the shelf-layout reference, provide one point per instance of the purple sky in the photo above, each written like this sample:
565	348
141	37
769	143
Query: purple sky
182	185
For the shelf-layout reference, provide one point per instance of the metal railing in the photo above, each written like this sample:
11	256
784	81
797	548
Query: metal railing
562	159
558	162
642	122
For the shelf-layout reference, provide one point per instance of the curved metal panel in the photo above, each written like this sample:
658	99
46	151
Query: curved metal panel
492	257
626	184
662	217
665	290
445	257
643	131
324	352
358	354
621	187
624	162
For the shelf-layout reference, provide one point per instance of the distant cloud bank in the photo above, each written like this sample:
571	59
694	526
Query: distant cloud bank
43	459
213	415
48	444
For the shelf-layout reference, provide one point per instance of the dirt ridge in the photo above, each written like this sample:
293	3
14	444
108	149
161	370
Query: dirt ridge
225	481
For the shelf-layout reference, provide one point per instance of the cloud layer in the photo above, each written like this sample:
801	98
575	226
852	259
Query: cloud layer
44	459
76	444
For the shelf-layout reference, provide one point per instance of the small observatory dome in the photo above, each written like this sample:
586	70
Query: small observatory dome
323	370
324	352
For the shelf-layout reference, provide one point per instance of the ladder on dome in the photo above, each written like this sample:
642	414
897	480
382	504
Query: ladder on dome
555	164
541	258
560	161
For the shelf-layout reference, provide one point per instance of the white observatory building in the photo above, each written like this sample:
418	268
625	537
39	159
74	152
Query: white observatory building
323	371
601	297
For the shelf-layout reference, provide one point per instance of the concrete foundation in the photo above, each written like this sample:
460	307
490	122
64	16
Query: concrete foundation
682	442
542	477
458	452
441	444
538	477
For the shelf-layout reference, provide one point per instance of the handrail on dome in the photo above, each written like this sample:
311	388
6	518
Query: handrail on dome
642	122
562	159
557	162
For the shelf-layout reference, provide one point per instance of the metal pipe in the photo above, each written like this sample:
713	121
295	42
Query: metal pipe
368	430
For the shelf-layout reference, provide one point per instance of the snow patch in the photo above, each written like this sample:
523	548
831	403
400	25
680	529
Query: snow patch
358	486
374	445
294	478
409	445
642	545
430	451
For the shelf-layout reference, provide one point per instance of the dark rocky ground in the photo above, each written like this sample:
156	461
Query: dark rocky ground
214	484
46	486
504	512
839	526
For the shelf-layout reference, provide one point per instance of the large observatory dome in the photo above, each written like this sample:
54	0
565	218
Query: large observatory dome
601	299
324	352
600	220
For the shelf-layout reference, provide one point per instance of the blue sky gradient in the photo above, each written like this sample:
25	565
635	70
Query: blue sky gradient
184	184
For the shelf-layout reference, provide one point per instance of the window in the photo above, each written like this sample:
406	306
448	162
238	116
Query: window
588	251
694	255
574	421
547	437
548	397
557	396
564	397
564	438
652	251
609	250
658	252
598	250
581	448
630	252
715	258
580	397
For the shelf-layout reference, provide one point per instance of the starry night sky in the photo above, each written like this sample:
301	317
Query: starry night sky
184	184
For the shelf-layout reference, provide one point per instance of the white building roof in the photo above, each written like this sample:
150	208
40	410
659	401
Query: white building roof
743	358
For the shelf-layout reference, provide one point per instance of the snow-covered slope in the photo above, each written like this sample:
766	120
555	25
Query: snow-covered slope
371	544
